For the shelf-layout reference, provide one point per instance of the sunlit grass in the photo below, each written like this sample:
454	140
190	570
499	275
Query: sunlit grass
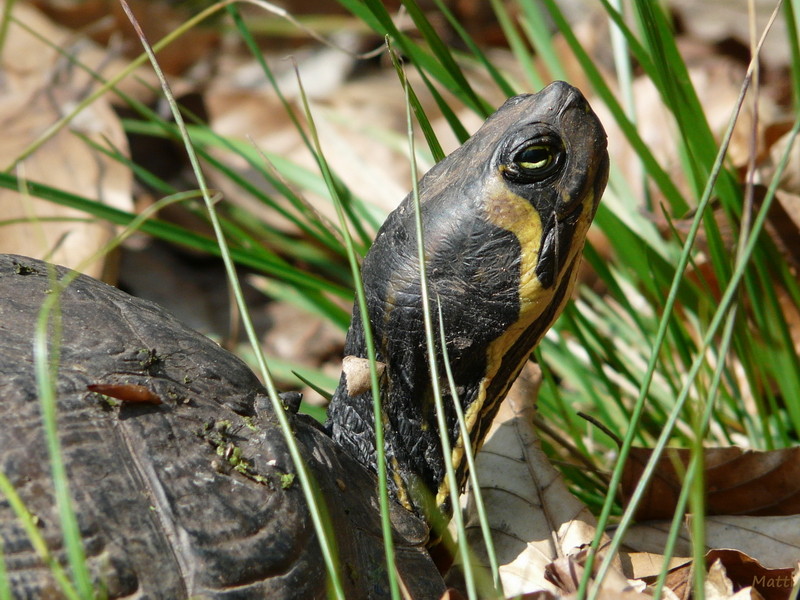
658	357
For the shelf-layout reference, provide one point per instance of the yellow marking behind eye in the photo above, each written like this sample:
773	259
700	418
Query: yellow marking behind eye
517	215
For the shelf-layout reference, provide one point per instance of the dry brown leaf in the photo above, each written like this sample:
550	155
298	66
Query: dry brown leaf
732	575
718	586
103	20
534	518
644	565
717	80
615	595
26	59
127	392
40	89
790	178
452	594
678	581
719	21
737	481
784	215
651	537
361	122
567	572
353	124
773	541
744	571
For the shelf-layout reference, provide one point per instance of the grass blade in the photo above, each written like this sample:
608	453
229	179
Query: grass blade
380	451
37	540
173	233
480	508
46	369
651	366
307	484
469	576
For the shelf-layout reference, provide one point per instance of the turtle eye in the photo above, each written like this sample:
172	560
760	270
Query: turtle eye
535	157
535	160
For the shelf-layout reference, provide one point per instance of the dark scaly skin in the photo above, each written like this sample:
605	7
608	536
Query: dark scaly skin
502	252
164	511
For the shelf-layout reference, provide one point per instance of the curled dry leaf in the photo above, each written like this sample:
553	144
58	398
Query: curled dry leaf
744	571
678	581
40	89
452	594
534	518
772	541
738	482
357	374
566	574
717	585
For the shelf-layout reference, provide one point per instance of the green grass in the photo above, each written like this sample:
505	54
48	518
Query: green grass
657	356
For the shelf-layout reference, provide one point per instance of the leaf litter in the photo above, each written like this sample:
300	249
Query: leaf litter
541	531
540	528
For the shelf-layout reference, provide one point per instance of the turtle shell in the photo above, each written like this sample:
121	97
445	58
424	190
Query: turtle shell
183	484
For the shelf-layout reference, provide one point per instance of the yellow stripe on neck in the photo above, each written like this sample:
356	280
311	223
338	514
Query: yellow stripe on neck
517	215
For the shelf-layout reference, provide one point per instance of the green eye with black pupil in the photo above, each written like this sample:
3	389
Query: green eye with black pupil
535	157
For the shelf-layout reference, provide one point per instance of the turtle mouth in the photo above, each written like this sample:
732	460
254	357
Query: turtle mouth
557	234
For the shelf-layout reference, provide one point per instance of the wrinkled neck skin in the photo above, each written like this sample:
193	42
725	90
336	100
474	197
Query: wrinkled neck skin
489	330
487	345
501	260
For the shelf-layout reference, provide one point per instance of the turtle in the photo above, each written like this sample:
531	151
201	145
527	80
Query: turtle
179	473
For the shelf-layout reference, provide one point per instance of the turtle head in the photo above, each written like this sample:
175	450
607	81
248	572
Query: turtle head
504	222
557	161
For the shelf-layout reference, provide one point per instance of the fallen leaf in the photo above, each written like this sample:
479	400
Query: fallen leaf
452	594
651	537
717	79
567	572
773	541
679	581
647	565
738	481
534	518
40	89
717	22
743	571
717	584
354	118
